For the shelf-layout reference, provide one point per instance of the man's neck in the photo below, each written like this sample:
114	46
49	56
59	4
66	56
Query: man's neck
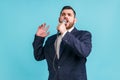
69	30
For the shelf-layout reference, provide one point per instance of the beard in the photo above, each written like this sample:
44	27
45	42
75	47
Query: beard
70	25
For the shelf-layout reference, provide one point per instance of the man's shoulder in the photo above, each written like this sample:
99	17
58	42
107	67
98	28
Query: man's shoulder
51	38
82	31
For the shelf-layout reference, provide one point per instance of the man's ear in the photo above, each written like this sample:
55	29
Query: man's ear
75	20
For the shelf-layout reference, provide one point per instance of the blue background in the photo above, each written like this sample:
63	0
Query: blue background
19	20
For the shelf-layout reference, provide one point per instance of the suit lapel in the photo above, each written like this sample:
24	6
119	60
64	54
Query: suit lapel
64	47
52	47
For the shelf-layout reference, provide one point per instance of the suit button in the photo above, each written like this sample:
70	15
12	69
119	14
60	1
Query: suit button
58	67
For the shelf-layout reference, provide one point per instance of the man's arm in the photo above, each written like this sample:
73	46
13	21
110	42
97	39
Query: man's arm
38	42
38	48
81	45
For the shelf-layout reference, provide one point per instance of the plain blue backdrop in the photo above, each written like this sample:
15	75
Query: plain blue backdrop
19	20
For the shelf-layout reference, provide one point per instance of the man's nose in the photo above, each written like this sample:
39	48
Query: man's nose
66	17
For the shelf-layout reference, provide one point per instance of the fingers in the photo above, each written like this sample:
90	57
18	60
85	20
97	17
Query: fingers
44	27
48	33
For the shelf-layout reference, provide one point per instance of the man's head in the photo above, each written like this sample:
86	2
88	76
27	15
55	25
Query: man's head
67	13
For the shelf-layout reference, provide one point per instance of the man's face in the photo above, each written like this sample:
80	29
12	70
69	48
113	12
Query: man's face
68	15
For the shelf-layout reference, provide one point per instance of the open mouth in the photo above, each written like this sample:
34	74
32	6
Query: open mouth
66	20
66	23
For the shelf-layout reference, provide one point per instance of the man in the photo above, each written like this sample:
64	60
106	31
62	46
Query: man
66	52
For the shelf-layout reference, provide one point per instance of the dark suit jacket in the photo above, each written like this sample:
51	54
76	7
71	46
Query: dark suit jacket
75	47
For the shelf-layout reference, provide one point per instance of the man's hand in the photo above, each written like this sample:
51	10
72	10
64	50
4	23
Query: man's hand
42	30
61	28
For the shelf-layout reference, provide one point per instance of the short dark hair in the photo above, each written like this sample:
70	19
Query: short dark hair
68	7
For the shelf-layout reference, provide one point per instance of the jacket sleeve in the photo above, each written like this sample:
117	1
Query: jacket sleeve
81	44
38	48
